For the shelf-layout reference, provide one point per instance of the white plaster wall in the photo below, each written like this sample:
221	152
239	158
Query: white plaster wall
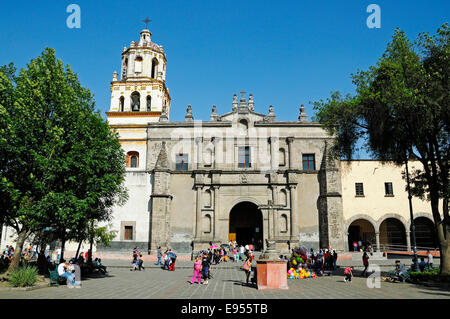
373	175
137	207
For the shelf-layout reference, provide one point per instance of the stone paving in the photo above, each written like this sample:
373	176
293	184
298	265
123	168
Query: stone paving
153	282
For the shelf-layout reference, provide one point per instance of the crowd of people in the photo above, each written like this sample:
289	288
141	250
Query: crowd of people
362	246
46	260
138	261
205	259
319	262
28	253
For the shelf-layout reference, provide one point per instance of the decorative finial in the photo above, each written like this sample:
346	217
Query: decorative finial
303	117
213	116
271	116
235	102
189	117
251	103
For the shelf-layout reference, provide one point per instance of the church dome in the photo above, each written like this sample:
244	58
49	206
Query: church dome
145	41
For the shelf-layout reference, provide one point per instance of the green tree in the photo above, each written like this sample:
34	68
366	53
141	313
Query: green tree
401	110
61	165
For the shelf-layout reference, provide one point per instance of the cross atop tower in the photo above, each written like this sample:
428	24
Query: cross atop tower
146	21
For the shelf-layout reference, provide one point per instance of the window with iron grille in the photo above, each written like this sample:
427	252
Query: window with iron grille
309	163
182	162
244	157
359	189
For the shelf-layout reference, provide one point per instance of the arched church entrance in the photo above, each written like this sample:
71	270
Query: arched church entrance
246	225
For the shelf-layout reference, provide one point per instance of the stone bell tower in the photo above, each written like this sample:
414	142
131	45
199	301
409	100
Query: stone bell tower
140	94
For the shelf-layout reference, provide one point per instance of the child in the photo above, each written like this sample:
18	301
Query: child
141	262
236	256
197	270
348	274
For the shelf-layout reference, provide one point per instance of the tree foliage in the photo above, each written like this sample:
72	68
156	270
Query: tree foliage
401	110
61	165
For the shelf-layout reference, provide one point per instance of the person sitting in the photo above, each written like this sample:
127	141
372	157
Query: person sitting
80	259
399	273
65	272
98	265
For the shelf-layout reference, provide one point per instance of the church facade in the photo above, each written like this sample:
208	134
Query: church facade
243	176
240	176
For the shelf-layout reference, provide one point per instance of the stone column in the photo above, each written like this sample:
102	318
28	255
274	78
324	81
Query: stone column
266	218
270	222
198	143
408	240
377	236
275	201
216	210
289	141
199	212
213	153
294	212
274	160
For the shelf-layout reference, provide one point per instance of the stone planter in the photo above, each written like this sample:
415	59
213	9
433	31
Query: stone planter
271	274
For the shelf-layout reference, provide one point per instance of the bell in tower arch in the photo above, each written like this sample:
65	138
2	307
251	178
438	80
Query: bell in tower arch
135	101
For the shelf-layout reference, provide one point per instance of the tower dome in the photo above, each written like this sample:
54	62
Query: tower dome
141	93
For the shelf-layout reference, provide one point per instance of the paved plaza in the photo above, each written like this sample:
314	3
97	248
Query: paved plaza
153	282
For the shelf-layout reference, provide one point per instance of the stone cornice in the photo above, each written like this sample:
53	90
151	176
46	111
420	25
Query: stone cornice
330	195
134	114
161	195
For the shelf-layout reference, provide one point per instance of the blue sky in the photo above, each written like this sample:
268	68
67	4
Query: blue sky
286	53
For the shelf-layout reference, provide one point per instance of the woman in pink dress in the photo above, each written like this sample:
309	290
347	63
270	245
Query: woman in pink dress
197	270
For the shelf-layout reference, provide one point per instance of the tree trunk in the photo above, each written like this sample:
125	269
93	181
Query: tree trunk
63	244
91	242
14	265
78	249
443	233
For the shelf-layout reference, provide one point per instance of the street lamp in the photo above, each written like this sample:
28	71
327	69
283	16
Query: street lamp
411	215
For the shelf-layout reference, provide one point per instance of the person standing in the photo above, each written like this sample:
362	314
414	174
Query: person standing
134	263
59	253
247	268
430	259
166	260
206	263
355	246
241	252
158	255
197	270
236	255
173	258
335	256
365	259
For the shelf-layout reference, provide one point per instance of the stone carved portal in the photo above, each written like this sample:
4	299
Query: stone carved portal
246	225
